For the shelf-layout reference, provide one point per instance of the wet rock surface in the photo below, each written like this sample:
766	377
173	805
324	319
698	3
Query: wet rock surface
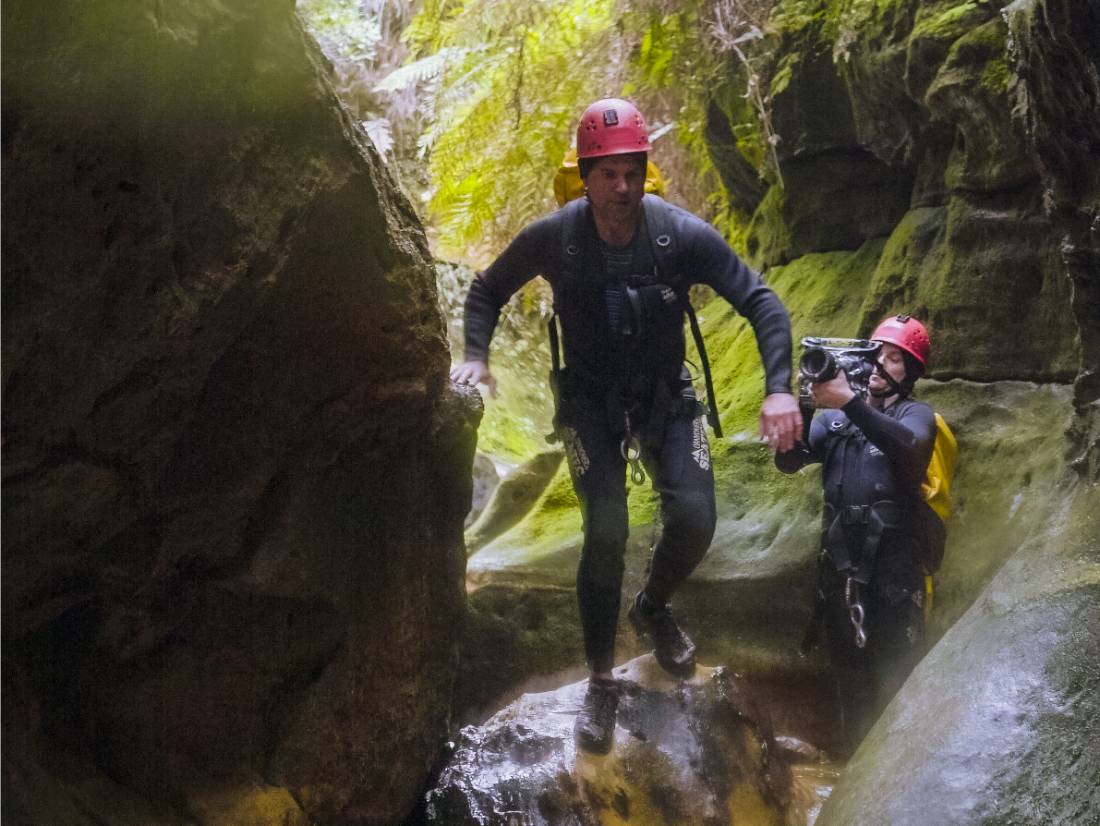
510	500
486	479
1000	723
691	752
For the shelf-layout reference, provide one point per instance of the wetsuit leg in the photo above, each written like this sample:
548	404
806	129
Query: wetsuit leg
599	478
682	476
867	678
896	594
851	665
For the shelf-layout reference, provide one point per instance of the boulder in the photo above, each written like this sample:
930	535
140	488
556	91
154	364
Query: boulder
486	479
235	473
512	498
1000	723
691	752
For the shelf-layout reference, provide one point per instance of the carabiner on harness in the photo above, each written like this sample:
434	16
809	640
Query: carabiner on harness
631	451
855	611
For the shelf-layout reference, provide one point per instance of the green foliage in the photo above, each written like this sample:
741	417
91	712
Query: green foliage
344	28
516	422
514	77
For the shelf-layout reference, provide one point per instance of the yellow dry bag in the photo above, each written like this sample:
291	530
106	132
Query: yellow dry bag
568	184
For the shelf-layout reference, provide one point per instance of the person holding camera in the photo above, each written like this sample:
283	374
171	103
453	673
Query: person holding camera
874	443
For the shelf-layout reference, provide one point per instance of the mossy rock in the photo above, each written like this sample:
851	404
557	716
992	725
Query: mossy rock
832	201
810	109
518	418
486	480
971	91
871	51
936	27
966	269
512	498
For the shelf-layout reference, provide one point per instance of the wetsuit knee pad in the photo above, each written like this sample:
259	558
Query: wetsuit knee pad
690	522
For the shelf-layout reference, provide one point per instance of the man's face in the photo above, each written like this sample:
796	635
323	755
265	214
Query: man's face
616	185
891	360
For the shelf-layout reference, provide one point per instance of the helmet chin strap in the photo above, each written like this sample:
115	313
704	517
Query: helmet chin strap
896	388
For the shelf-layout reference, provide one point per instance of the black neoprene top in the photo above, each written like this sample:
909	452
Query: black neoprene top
886	457
704	257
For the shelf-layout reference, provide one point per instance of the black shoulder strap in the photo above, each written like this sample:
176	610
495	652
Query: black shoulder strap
573	218
663	242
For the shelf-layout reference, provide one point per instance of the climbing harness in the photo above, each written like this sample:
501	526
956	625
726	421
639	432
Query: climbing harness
671	291
631	450
855	611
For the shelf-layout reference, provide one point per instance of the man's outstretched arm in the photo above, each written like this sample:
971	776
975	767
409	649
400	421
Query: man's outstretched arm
731	278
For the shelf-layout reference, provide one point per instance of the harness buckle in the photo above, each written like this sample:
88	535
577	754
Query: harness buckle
855	514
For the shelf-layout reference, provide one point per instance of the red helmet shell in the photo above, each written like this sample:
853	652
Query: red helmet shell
611	127
908	334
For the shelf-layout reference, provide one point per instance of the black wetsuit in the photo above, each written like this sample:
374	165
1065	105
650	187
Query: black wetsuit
873	465
623	343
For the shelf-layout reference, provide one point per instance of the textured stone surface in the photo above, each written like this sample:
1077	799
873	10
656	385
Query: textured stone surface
1055	54
234	472
486	479
685	753
1019	740
512	498
880	108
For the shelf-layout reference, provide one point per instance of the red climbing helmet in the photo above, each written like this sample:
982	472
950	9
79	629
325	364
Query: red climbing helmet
611	127
908	334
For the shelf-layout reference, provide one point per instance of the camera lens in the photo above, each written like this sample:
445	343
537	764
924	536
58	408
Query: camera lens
817	365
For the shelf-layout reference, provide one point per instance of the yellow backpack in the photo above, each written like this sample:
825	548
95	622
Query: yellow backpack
937	494
941	469
568	184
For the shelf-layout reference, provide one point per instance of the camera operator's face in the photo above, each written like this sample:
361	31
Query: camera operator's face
891	360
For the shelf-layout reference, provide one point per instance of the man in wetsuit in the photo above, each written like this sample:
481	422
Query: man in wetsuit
620	295
874	457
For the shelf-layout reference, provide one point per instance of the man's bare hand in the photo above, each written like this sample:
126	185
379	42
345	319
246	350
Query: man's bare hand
834	393
780	422
474	372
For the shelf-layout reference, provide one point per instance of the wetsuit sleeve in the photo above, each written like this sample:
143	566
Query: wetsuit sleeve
718	266
521	261
804	454
906	440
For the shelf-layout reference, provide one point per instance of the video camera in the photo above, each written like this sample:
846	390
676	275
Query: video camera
823	358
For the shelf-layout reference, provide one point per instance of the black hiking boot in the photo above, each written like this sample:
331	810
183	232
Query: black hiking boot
594	729
674	649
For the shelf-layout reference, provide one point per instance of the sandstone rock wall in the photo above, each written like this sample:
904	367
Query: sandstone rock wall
929	124
234	473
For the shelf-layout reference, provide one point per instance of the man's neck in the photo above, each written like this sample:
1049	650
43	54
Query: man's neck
616	231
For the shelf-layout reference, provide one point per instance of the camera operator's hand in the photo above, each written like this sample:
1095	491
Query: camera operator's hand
834	393
474	372
780	421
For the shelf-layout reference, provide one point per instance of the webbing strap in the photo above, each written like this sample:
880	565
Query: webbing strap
662	241
555	350
697	334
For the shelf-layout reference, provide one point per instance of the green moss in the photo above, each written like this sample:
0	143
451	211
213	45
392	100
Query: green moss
947	21
517	420
768	237
823	293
